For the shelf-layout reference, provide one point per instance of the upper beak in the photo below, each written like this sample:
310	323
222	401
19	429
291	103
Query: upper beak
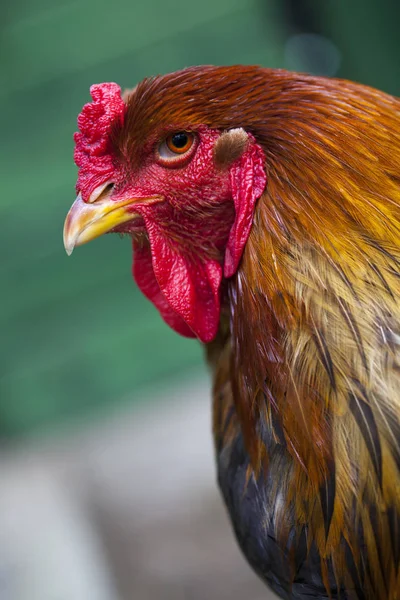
87	221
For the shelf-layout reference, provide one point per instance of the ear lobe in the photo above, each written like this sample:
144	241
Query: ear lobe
248	180
229	147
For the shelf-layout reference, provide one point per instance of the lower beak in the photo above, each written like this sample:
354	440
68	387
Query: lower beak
87	221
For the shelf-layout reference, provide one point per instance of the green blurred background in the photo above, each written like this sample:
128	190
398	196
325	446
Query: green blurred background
77	337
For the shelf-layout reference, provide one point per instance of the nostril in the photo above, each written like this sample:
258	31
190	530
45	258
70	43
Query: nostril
100	192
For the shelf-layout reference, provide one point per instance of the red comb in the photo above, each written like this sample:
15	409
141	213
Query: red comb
92	153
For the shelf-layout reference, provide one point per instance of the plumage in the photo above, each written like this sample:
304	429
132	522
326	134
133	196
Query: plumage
293	272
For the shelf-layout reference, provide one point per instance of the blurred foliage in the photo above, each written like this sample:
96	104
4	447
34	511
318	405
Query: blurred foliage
76	333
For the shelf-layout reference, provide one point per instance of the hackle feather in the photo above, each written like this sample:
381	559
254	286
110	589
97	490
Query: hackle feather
315	321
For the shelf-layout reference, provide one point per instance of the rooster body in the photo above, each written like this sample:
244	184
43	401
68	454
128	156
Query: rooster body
274	238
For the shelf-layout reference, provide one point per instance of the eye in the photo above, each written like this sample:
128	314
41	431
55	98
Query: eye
179	142
176	148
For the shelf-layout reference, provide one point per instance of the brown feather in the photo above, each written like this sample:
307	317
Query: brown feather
310	335
318	289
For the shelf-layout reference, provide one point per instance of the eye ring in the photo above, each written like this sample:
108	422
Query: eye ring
176	148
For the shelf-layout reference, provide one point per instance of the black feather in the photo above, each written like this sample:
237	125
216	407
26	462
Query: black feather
353	327
381	278
365	420
393	518
327	493
228	420
325	356
353	571
374	519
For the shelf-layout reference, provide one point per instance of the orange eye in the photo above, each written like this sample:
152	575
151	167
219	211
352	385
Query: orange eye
175	147
180	142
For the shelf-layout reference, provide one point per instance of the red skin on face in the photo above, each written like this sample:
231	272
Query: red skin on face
197	217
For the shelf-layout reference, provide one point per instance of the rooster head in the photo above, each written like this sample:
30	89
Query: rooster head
165	165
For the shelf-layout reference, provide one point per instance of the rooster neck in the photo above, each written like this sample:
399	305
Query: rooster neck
321	266
307	375
306	380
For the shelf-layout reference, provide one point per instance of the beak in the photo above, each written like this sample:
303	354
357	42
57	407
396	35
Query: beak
87	221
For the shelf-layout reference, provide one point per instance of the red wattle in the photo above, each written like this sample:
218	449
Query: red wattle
147	282
187	295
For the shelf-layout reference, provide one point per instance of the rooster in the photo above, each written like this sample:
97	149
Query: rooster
264	212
